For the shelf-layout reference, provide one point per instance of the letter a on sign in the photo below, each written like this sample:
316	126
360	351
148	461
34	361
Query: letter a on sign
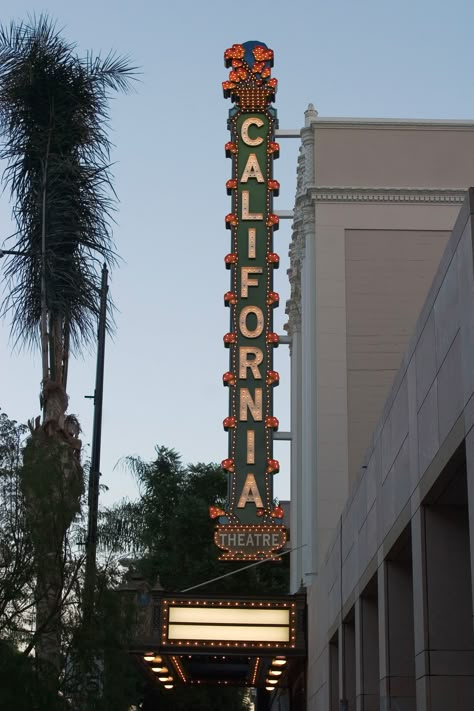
250	493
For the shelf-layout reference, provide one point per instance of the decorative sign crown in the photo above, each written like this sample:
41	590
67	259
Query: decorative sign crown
250	84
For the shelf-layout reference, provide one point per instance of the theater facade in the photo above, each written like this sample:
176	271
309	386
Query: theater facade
381	320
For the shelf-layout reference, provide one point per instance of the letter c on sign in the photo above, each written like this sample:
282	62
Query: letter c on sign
252	121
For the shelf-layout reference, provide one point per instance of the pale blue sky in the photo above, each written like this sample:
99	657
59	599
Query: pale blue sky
411	58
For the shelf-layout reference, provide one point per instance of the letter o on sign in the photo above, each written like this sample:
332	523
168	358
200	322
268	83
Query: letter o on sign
245	331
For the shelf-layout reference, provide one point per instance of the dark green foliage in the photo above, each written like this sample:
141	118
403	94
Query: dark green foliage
52	481
16	550
20	686
170	530
11	434
52	484
101	653
101	675
171	534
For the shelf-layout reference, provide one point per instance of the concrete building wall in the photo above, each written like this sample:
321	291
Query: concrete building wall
404	542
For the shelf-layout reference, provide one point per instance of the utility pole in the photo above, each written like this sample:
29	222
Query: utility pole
94	475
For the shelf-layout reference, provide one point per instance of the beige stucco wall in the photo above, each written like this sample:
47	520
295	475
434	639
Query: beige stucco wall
375	202
424	421
394	154
388	274
351	397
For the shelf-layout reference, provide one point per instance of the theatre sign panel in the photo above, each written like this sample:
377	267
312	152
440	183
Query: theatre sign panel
248	527
229	624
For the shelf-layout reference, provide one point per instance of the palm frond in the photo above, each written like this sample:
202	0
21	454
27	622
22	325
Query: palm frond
121	527
54	118
114	71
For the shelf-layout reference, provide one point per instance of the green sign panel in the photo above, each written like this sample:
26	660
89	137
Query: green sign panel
248	528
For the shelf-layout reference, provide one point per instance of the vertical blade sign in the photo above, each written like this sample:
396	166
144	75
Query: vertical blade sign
248	528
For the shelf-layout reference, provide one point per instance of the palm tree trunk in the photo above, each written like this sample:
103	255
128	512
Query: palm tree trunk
52	479
49	586
44	307
55	519
60	489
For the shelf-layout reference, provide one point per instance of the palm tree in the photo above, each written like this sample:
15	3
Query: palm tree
53	126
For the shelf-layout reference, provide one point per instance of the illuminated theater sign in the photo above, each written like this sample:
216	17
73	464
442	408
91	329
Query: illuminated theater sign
229	623
248	528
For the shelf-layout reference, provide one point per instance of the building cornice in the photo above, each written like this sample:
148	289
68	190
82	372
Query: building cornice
391	123
328	194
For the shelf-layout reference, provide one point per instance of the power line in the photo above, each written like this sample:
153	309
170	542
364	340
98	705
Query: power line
246	567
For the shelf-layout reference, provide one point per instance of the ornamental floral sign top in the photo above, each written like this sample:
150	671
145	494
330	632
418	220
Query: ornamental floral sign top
250	84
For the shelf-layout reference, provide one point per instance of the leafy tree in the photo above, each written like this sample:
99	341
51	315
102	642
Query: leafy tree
101	657
97	673
169	532
20	686
53	126
16	550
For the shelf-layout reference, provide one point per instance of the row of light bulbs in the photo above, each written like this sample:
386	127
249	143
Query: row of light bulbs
157	668
274	673
271	681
